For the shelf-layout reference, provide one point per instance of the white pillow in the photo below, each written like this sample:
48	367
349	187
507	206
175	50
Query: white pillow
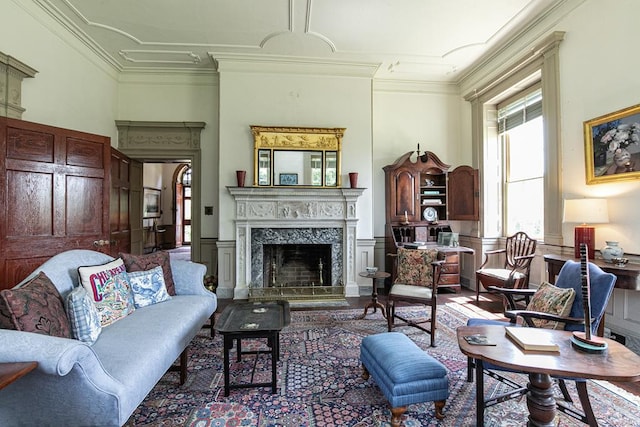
83	316
108	286
148	287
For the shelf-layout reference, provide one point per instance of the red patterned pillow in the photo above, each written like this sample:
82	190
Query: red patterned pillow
37	307
150	261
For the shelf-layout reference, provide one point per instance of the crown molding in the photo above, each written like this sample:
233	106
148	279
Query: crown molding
283	64
415	86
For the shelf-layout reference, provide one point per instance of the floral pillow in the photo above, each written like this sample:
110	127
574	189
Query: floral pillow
149	261
108	286
83	316
37	307
552	300
148	287
414	266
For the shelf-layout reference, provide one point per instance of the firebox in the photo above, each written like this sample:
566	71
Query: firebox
296	265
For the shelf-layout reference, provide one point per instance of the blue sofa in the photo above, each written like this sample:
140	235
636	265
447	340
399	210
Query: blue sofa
76	384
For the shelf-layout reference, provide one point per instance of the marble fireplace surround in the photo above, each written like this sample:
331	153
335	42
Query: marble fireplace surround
317	209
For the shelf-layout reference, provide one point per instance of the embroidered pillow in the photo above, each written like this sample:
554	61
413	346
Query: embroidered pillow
553	300
37	307
148	287
149	261
108	286
83	316
414	266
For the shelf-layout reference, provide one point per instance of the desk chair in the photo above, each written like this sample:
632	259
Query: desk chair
416	282
602	285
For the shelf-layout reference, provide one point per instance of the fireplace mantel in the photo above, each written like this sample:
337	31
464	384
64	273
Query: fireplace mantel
259	207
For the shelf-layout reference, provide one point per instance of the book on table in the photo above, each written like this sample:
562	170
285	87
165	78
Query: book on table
417	245
531	338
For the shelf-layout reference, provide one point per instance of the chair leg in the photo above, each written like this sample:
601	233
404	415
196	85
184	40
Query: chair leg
470	368
586	404
433	324
390	313
477	290
565	392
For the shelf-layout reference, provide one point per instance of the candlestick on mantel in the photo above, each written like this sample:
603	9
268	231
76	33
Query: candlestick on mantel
406	218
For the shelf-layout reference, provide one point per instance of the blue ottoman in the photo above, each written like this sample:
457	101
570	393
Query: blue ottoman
404	373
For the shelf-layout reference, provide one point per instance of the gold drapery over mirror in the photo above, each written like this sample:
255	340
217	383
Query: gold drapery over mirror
297	156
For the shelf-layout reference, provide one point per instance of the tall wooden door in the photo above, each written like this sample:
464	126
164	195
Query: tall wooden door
119	221
54	192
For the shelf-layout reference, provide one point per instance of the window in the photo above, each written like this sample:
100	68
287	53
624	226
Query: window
520	131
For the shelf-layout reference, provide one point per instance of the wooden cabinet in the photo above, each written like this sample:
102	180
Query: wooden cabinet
422	196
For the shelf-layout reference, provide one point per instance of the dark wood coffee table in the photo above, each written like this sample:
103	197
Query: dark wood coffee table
243	320
617	363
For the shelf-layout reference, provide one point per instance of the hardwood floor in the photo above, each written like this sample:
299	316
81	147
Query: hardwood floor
490	307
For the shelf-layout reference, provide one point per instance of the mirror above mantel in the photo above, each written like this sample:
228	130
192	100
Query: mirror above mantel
297	156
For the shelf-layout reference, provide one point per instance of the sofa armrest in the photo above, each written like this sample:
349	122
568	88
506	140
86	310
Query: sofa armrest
55	356
188	277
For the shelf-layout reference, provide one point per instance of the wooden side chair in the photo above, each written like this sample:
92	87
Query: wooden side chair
549	307
519	252
417	275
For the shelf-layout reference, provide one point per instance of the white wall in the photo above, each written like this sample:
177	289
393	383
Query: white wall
171	97
73	89
270	99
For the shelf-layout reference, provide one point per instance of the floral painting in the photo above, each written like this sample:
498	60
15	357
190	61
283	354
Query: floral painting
612	146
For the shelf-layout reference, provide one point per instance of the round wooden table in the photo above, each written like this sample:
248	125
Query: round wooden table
374	294
617	363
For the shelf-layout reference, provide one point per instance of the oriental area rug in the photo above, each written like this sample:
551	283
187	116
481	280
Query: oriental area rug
320	382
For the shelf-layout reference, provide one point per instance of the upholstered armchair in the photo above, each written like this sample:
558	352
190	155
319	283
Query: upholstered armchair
417	274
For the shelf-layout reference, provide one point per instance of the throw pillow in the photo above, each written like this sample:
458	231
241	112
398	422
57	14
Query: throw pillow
83	316
108	286
414	266
553	300
148	287
5	316
149	261
37	307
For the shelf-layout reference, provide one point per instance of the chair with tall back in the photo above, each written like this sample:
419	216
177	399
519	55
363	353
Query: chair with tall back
570	278
417	276
518	252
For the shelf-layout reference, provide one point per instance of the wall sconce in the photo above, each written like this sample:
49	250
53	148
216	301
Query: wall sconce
585	211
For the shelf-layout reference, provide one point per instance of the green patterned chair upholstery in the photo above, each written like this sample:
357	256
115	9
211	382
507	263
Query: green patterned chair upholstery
414	284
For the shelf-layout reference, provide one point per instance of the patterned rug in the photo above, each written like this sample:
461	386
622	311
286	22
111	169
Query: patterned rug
320	383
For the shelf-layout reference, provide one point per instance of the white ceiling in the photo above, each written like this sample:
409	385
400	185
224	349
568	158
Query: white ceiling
431	40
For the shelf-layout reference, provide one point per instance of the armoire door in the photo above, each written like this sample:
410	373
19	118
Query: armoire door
54	192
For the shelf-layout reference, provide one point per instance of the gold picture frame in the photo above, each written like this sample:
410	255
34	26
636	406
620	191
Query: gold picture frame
612	146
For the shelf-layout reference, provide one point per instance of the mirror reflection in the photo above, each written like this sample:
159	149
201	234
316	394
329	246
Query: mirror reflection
307	157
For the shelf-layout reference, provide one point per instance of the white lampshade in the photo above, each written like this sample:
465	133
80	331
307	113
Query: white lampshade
586	211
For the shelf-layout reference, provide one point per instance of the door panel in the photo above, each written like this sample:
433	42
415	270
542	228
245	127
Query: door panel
53	192
120	228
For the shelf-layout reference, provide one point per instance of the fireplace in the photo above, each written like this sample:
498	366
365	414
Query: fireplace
296	265
322	218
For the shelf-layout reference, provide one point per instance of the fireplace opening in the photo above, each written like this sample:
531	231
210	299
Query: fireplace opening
287	265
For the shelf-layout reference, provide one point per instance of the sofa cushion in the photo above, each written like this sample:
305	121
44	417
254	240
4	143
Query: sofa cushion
149	261
37	307
552	300
83	316
108	286
148	287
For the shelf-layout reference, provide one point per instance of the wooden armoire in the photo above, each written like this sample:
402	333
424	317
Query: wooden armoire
422	195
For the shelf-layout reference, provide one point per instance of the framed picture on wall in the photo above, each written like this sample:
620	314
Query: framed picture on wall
151	204
612	146
288	179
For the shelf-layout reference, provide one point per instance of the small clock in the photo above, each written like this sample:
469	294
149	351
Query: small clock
430	214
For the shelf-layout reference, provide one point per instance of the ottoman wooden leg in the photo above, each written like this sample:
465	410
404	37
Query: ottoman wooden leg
396	416
439	407
365	373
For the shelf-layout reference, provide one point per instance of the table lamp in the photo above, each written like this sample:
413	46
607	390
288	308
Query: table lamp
585	211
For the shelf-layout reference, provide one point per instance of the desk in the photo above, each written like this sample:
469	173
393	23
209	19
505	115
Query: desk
628	276
242	320
617	363
374	294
